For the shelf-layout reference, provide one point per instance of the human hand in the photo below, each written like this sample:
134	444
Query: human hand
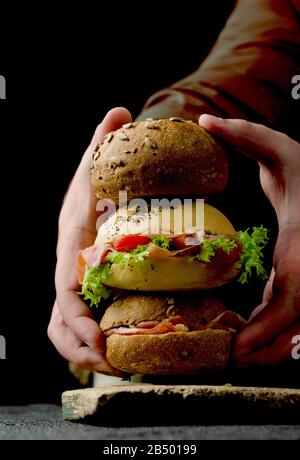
267	338
72	328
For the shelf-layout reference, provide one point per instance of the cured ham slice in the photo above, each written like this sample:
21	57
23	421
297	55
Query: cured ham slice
228	320
89	257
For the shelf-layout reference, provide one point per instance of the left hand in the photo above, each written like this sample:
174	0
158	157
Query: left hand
72	328
267	338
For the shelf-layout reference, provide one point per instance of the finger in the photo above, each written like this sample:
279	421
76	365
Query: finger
72	349
267	296
268	291
257	141
113	120
280	349
282	310
79	318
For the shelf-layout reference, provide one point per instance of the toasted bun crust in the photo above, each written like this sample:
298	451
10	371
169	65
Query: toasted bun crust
176	273
170	354
159	158
129	310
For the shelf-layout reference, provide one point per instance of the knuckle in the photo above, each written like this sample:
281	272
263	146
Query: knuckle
83	360
83	326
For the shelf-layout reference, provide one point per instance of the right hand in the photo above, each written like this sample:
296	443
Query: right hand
72	328
268	337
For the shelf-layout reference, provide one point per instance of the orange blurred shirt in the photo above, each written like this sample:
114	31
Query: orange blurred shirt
248	74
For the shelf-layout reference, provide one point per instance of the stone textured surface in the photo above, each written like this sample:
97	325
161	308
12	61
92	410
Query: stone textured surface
182	404
46	422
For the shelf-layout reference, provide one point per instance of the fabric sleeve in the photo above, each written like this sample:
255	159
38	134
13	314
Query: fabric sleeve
248	74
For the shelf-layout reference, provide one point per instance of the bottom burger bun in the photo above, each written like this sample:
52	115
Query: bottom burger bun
160	335
170	354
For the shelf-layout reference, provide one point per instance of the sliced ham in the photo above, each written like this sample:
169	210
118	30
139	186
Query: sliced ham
167	325
148	324
90	257
228	321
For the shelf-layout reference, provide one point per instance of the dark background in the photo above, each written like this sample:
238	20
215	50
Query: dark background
64	71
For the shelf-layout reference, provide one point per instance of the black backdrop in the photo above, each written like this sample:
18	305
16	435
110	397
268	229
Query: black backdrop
64	70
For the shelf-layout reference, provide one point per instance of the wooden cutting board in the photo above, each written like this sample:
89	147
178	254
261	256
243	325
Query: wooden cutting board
148	404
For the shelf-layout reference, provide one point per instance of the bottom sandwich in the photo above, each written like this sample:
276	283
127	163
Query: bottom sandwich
160	335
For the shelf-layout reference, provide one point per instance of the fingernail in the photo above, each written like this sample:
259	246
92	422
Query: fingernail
206	118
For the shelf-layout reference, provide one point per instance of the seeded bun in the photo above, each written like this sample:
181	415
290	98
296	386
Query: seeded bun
159	158
170	353
174	273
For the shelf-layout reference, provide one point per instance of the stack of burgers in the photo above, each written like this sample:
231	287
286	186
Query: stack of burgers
152	277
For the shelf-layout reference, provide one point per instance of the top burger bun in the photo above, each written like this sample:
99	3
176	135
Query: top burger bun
159	158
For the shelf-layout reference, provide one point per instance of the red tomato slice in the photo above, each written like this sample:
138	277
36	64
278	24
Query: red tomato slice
129	242
233	256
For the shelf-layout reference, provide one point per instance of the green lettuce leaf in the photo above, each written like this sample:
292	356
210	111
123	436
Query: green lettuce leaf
119	258
161	241
92	287
136	255
209	246
252	255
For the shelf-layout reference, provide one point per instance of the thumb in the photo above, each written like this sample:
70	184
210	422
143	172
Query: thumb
113	120
256	141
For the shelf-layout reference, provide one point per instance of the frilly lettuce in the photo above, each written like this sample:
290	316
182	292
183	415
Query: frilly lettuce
92	287
251	255
161	241
135	255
